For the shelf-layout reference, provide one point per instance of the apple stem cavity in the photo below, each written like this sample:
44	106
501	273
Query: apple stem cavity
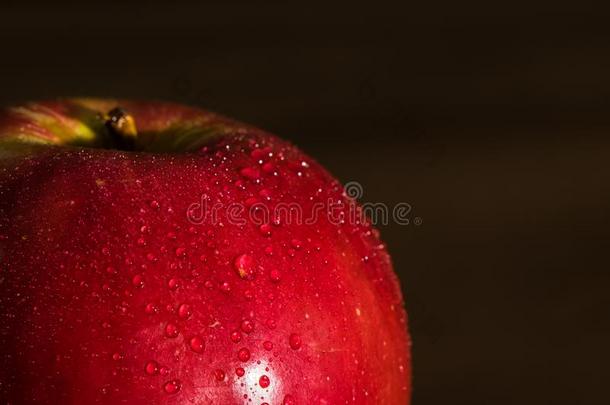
122	128
112	125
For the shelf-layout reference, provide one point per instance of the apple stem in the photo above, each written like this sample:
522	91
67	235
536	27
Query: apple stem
122	128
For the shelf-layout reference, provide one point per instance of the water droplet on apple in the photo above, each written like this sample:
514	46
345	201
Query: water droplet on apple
197	344
276	220
180	252
265	229
138	281
171	330
152	368
267	345
297	244
261	153
219	375
239	371
247	326
151	308
263	381
172	387
265	194
243	354
184	311
225	287
251	173
117	356
244	266
295	341
289	400
155	205
173	284
236	336
275	275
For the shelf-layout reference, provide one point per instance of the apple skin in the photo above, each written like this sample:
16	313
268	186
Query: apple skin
115	290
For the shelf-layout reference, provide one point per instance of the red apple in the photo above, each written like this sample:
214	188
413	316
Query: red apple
129	276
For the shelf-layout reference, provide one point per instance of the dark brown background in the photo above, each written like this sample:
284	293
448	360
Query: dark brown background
490	120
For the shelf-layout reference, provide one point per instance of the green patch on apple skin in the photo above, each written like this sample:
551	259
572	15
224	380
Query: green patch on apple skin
183	137
85	123
45	126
